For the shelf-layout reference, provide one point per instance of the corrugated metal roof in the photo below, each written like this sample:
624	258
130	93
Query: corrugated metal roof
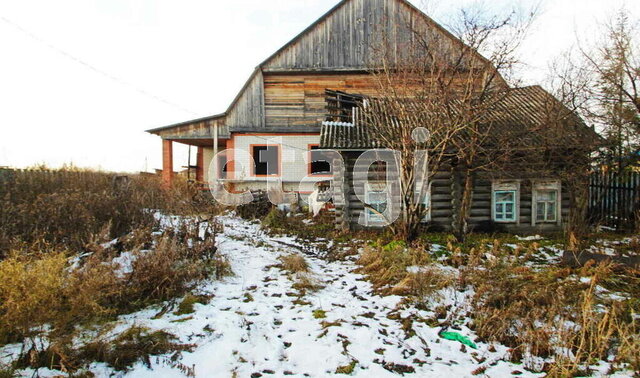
522	111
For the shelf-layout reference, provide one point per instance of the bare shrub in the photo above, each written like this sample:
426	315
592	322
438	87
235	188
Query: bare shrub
276	220
257	209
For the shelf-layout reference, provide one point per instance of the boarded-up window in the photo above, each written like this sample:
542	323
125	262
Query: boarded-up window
266	160
319	162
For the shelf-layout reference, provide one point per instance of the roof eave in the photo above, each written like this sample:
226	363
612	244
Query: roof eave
164	128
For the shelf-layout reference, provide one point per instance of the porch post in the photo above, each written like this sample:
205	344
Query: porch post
167	163
215	152
200	165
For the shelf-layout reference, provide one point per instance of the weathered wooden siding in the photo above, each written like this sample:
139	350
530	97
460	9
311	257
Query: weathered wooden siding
247	110
196	130
299	99
480	219
442	203
340	46
345	37
441	211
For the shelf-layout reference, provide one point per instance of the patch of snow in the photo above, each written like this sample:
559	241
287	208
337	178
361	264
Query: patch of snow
529	238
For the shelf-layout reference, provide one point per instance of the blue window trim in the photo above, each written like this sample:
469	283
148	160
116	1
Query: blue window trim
495	204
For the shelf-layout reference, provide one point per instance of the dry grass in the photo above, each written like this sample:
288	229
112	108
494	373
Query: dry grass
63	209
29	293
545	311
49	296
120	352
388	270
601	330
424	283
300	272
294	263
42	290
49	291
306	282
533	308
135	344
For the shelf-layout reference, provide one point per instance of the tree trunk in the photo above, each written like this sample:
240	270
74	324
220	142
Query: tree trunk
579	197
462	194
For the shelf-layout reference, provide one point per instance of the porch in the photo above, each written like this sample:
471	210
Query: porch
207	135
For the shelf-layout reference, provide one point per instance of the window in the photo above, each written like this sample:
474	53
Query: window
504	205
546	202
426	201
342	105
266	160
546	205
319	164
505	201
223	167
376	197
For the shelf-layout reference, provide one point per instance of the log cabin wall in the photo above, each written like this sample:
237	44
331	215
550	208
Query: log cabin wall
441	198
481	220
443	193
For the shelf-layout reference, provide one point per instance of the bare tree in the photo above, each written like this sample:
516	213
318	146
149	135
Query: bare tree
614	91
441	82
601	82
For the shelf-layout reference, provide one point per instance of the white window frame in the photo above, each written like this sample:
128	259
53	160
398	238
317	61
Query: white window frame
506	186
546	185
372	218
426	201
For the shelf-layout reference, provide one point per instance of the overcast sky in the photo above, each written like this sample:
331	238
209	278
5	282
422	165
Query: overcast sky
80	80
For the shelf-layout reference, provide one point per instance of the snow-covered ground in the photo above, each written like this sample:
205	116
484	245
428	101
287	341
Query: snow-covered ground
257	324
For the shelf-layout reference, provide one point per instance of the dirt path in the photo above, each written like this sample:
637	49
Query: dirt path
258	325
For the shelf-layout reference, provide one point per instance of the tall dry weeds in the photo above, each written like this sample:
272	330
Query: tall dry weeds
51	295
62	209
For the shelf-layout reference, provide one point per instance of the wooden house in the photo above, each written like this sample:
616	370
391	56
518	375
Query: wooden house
279	111
511	199
272	127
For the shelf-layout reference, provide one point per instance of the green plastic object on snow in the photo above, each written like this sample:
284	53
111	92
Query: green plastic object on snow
455	336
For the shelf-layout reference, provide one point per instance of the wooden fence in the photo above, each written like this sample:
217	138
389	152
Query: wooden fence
614	199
